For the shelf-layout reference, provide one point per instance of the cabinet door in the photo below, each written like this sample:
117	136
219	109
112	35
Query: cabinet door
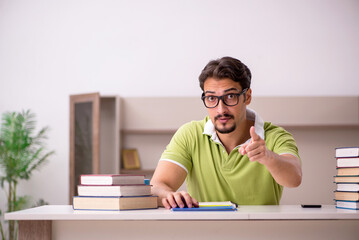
84	137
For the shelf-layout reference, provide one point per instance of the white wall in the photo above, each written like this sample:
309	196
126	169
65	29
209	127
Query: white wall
51	49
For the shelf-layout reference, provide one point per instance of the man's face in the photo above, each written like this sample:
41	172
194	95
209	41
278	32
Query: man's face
226	118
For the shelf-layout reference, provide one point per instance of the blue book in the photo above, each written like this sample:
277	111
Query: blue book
147	181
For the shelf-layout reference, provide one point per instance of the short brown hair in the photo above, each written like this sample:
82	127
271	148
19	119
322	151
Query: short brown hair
227	67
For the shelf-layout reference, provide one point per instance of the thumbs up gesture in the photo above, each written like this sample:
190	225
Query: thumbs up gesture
256	149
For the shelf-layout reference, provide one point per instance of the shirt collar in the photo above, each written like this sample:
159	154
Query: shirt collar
251	115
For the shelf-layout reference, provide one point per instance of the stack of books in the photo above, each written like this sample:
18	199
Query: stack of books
113	193
347	178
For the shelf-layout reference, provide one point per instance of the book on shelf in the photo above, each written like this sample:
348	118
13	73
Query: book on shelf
348	162
347	196
347	152
114	190
209	206
354	205
348	187
347	171
114	203
346	179
111	179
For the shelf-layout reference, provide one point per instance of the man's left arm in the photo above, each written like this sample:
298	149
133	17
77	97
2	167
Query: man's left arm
286	168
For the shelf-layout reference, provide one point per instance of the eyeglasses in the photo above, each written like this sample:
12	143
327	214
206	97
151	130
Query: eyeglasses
230	99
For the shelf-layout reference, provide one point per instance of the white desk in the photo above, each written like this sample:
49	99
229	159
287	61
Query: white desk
249	222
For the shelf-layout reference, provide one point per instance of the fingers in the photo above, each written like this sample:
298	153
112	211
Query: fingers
187	198
245	148
255	149
242	149
256	153
254	135
180	199
165	203
195	203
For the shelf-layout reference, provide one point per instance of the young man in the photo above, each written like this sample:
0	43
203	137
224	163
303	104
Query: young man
231	155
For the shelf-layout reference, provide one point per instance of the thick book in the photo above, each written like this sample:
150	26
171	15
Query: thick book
348	187
209	206
346	179
347	171
347	196
114	203
354	205
347	152
348	162
114	190
111	179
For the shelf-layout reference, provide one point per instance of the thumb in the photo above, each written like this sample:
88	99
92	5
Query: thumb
254	135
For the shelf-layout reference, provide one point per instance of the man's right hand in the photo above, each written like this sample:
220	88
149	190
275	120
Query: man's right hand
179	199
167	178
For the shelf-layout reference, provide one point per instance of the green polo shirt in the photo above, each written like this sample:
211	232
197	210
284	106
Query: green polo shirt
215	175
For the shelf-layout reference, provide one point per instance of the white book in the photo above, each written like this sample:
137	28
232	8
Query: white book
111	179
348	162
348	187
216	204
347	152
114	190
348	205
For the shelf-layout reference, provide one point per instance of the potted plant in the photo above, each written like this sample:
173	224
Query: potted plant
22	151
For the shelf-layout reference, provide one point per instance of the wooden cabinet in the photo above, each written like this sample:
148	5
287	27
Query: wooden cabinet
94	136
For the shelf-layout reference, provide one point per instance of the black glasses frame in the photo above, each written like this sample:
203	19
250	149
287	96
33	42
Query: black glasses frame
221	98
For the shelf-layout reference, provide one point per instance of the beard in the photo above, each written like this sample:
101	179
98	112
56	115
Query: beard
224	129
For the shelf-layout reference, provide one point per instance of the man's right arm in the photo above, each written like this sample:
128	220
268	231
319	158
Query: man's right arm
167	178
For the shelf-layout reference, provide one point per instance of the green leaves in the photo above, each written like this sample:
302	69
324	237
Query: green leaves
21	149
